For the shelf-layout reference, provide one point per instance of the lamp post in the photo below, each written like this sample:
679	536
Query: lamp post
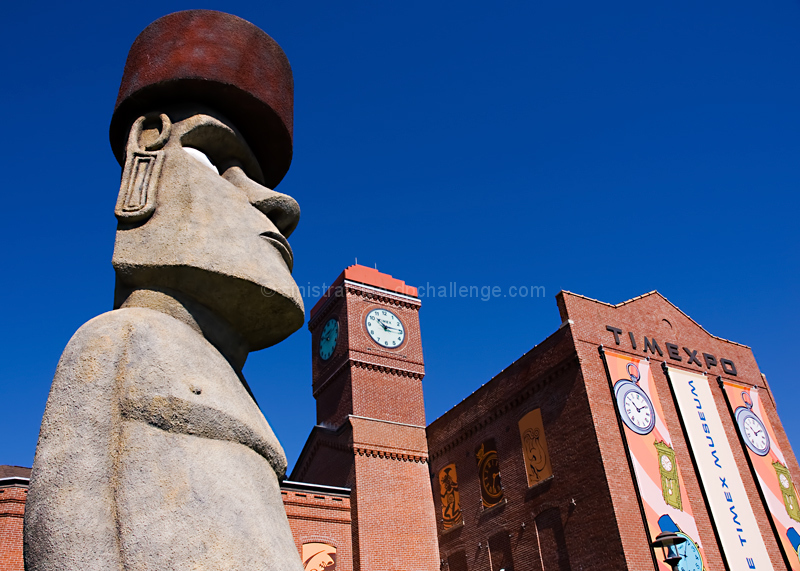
667	541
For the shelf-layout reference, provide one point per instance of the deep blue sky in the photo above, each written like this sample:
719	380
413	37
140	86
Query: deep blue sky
604	148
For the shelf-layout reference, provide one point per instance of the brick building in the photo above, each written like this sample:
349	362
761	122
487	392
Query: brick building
13	493
545	467
627	422
367	371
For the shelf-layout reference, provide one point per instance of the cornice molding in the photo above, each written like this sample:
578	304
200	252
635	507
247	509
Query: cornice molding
387	369
374	453
381	296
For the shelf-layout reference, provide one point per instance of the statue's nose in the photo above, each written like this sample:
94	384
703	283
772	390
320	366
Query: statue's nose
282	210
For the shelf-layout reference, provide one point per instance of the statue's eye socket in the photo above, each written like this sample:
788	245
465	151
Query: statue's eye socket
201	157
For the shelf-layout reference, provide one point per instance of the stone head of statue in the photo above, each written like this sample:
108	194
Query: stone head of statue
203	130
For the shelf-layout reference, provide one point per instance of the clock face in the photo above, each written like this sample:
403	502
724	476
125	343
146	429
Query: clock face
753	430
666	463
636	408
385	328
691	559
327	341
490	478
784	481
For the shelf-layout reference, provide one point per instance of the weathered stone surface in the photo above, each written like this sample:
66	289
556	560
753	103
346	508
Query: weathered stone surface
153	453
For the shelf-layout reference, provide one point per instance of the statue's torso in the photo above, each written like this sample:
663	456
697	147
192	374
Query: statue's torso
156	456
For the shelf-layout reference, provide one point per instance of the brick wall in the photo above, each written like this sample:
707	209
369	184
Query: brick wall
394	514
565	522
13	494
318	515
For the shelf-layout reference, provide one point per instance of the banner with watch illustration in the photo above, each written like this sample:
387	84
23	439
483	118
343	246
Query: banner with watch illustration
658	477
769	465
730	509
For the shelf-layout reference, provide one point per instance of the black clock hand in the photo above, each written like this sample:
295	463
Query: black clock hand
387	327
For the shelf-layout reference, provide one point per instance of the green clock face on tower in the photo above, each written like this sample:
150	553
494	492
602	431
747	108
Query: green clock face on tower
385	328
327	341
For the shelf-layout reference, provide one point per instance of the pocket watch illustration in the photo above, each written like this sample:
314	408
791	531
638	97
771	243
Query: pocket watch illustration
670	485
691	558
635	407
327	341
787	490
751	428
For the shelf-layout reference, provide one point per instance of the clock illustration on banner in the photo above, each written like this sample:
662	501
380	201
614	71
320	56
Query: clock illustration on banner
670	483
327	341
385	328
787	491
751	428
691	558
635	407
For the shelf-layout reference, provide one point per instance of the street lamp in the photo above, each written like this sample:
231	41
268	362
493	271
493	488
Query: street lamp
667	541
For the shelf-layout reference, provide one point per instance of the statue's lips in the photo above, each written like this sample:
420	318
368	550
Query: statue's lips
282	245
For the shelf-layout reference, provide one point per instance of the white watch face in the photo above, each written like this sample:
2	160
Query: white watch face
784	481
666	463
638	409
755	433
385	328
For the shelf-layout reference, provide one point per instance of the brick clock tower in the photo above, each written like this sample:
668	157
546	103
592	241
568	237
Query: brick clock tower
370	432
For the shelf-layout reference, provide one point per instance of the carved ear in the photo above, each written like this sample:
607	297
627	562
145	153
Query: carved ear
137	191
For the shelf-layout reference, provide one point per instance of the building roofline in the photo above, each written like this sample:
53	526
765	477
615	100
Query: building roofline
316	432
14	481
656	292
319	488
564	326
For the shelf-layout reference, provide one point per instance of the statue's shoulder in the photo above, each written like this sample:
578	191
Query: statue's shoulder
131	331
131	322
131	318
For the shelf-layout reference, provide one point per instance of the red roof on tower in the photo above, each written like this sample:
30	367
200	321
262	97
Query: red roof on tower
366	276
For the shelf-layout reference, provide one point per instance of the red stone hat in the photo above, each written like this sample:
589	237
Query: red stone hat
218	60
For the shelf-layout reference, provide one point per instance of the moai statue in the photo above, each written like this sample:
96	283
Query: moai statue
153	454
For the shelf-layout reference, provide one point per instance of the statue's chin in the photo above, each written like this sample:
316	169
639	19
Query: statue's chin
264	310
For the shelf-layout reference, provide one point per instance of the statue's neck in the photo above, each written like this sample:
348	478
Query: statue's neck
215	329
